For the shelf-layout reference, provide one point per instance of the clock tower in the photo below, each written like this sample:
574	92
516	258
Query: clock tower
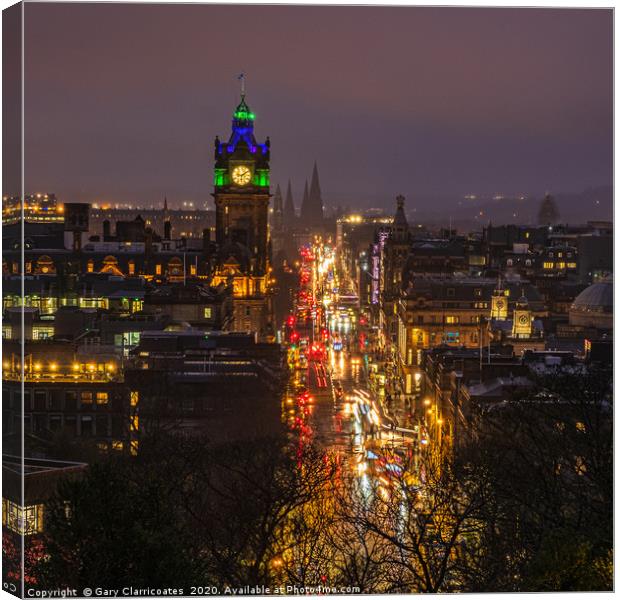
522	319
241	193
499	303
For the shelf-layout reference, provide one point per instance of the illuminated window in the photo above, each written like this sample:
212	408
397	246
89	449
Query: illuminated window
102	397
208	312
580	465
548	265
48	306
559	255
580	426
131	266
561	265
157	269
90	266
93	303
571	265
192	269
42	332
527	235
87	397
450	319
23	521
133	398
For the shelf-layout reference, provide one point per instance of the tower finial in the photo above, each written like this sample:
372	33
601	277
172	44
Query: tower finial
241	78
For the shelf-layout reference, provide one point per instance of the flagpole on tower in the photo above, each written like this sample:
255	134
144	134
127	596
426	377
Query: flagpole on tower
242	79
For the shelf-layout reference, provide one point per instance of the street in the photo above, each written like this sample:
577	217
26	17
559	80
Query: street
333	397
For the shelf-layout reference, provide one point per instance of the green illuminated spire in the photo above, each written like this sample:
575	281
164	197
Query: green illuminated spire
243	112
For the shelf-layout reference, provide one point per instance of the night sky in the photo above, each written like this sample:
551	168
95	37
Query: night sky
123	101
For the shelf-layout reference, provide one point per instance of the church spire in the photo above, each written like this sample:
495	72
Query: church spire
277	209
304	212
312	205
289	216
315	200
277	199
315	188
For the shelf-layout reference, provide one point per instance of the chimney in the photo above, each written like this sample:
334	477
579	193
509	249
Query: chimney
167	230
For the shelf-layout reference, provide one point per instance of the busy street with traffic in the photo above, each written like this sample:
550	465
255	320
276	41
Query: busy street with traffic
339	395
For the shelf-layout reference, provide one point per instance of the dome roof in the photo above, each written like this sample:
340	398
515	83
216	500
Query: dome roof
594	307
599	297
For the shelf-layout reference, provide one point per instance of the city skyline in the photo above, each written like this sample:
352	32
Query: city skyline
442	116
380	362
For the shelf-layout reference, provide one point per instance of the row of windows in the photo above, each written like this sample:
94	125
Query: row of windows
87	426
39	332
449	319
449	337
559	265
56	399
454	337
450	292
48	306
546	264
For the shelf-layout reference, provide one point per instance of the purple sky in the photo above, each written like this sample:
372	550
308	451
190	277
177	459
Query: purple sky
123	101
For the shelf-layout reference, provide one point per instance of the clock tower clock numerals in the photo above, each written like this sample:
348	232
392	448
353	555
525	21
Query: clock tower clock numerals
241	175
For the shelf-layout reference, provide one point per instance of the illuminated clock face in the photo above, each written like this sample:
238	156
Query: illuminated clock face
500	304
241	175
523	319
